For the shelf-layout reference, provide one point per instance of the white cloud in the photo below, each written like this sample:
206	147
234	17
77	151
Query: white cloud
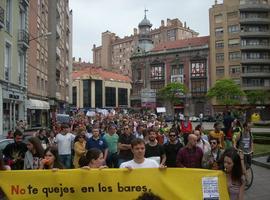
92	17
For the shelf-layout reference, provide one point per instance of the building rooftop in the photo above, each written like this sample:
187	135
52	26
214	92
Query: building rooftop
98	73
178	44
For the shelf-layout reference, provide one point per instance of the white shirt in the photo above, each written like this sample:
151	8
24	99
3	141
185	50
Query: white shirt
147	163
204	145
64	143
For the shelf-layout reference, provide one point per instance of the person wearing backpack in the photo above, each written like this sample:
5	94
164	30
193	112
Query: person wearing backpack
244	143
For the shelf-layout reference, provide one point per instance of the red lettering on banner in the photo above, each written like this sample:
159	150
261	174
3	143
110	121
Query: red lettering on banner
17	190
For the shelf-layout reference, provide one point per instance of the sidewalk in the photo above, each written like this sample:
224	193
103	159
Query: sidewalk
261	161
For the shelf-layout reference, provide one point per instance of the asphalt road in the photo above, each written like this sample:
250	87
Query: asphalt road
260	189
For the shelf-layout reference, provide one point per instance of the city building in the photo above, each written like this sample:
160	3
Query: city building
95	87
14	42
59	54
240	43
115	52
185	61
37	103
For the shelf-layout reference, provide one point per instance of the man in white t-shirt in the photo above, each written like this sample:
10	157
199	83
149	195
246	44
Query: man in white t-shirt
64	142
139	161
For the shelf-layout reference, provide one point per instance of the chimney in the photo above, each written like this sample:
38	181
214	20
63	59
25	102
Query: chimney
135	31
80	60
215	2
73	59
168	22
162	23
94	46
185	24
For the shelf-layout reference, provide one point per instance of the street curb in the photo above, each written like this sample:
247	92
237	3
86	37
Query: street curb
260	164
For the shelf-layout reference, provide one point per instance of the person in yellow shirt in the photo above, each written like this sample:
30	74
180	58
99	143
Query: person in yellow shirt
218	133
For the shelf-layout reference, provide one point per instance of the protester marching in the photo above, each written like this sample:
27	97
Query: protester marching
134	141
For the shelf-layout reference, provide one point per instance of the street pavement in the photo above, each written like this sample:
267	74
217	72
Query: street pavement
260	189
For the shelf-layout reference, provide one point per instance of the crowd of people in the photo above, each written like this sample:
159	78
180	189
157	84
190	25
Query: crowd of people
136	141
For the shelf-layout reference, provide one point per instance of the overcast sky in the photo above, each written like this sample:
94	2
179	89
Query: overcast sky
92	17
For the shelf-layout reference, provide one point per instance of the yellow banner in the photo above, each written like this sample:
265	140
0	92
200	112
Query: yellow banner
114	184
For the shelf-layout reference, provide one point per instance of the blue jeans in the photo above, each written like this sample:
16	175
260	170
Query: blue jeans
65	160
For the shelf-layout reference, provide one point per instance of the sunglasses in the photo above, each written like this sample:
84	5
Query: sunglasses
213	143
172	135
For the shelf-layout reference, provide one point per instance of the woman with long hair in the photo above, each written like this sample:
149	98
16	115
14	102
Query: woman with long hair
233	162
34	154
51	159
79	149
92	159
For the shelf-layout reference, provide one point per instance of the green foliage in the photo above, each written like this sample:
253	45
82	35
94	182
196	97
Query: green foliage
172	92
227	92
257	96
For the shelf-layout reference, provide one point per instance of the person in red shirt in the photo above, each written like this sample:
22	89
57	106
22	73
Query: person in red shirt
186	128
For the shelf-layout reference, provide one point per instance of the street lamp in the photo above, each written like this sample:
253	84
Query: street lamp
41	35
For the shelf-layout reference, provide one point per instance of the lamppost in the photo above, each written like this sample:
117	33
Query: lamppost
41	36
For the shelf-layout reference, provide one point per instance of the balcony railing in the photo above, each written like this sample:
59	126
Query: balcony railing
23	39
7	74
253	5
24	3
2	17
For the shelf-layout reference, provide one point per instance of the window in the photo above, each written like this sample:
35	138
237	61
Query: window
139	74
233	28
234	42
234	55
177	69
38	82
122	97
21	68
220	57
219	44
219	31
7	61
218	18
198	69
74	96
220	71
198	86
86	93
235	70
110	96
157	72
8	15
171	35
98	93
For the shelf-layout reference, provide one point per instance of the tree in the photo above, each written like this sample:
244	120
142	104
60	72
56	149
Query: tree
172	92
257	96
227	92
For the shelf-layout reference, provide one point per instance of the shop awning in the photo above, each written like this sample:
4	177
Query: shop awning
35	104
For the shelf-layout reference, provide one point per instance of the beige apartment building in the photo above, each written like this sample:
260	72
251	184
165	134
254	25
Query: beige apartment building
14	42
114	52
49	57
59	62
240	43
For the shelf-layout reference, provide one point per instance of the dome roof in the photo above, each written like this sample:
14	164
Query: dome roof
145	22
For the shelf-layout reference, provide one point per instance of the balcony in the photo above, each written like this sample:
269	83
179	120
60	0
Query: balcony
7	73
253	5
255	61
256	74
254	20
259	46
252	86
23	39
2	18
265	33
24	3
